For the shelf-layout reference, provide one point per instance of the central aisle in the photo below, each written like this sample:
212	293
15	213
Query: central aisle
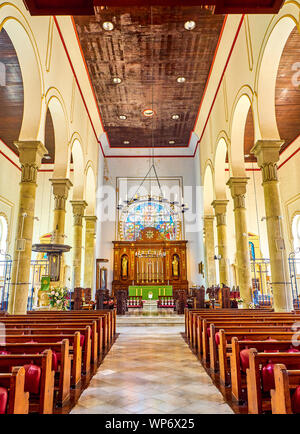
151	370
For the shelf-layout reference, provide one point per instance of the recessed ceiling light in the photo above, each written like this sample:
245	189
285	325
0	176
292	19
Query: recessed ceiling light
189	25
148	113
108	25
172	142
117	80
180	79
123	117
175	117
126	142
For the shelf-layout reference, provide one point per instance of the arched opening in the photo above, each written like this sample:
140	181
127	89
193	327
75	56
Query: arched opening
266	88
11	93
78	166
208	193
90	192
238	130
31	78
3	237
220	168
296	239
287	94
58	137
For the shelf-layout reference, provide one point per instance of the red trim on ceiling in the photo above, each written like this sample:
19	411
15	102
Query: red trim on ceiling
220	82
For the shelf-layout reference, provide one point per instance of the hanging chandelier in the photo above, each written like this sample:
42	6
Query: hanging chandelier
137	197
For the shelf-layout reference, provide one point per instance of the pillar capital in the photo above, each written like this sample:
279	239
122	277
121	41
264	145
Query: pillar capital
30	156
220	207
61	187
238	188
90	218
208	217
267	155
78	211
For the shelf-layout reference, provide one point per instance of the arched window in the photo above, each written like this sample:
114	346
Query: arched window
296	236
144	214
3	237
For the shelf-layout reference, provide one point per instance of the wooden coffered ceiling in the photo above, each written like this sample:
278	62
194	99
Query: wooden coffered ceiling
148	55
86	7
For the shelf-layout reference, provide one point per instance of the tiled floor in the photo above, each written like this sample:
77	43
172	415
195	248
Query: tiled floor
151	370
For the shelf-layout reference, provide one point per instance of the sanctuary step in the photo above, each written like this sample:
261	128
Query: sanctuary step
151	318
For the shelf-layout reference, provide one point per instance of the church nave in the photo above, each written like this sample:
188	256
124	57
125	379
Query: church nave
151	370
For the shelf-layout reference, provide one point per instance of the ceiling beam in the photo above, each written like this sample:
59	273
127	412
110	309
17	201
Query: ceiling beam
86	7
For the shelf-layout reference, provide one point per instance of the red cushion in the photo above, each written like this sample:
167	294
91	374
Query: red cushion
3	400
4	353
217	338
244	358
268	379
296	400
54	361
293	350
32	378
81	340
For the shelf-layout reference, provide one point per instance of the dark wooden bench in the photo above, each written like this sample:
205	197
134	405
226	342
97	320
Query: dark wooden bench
41	402
259	398
14	385
285	398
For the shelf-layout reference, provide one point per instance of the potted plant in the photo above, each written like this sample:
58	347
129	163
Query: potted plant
58	298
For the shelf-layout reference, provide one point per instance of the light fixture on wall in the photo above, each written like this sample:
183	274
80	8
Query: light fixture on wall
175	117
123	117
181	80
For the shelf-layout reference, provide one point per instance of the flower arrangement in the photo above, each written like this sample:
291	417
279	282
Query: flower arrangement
240	301
58	298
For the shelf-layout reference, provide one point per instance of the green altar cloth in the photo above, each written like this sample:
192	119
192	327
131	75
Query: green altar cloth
155	290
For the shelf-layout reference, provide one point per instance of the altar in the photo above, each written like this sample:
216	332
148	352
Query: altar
150	292
151	263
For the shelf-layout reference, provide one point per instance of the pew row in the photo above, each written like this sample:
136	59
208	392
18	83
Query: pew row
13	398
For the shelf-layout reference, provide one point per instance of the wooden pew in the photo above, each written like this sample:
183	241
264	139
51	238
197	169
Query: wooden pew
14	383
63	373
37	329
75	351
43	402
70	326
109	314
237	376
106	330
286	381
257	402
250	326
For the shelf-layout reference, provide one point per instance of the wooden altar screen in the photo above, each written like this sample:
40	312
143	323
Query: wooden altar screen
151	260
